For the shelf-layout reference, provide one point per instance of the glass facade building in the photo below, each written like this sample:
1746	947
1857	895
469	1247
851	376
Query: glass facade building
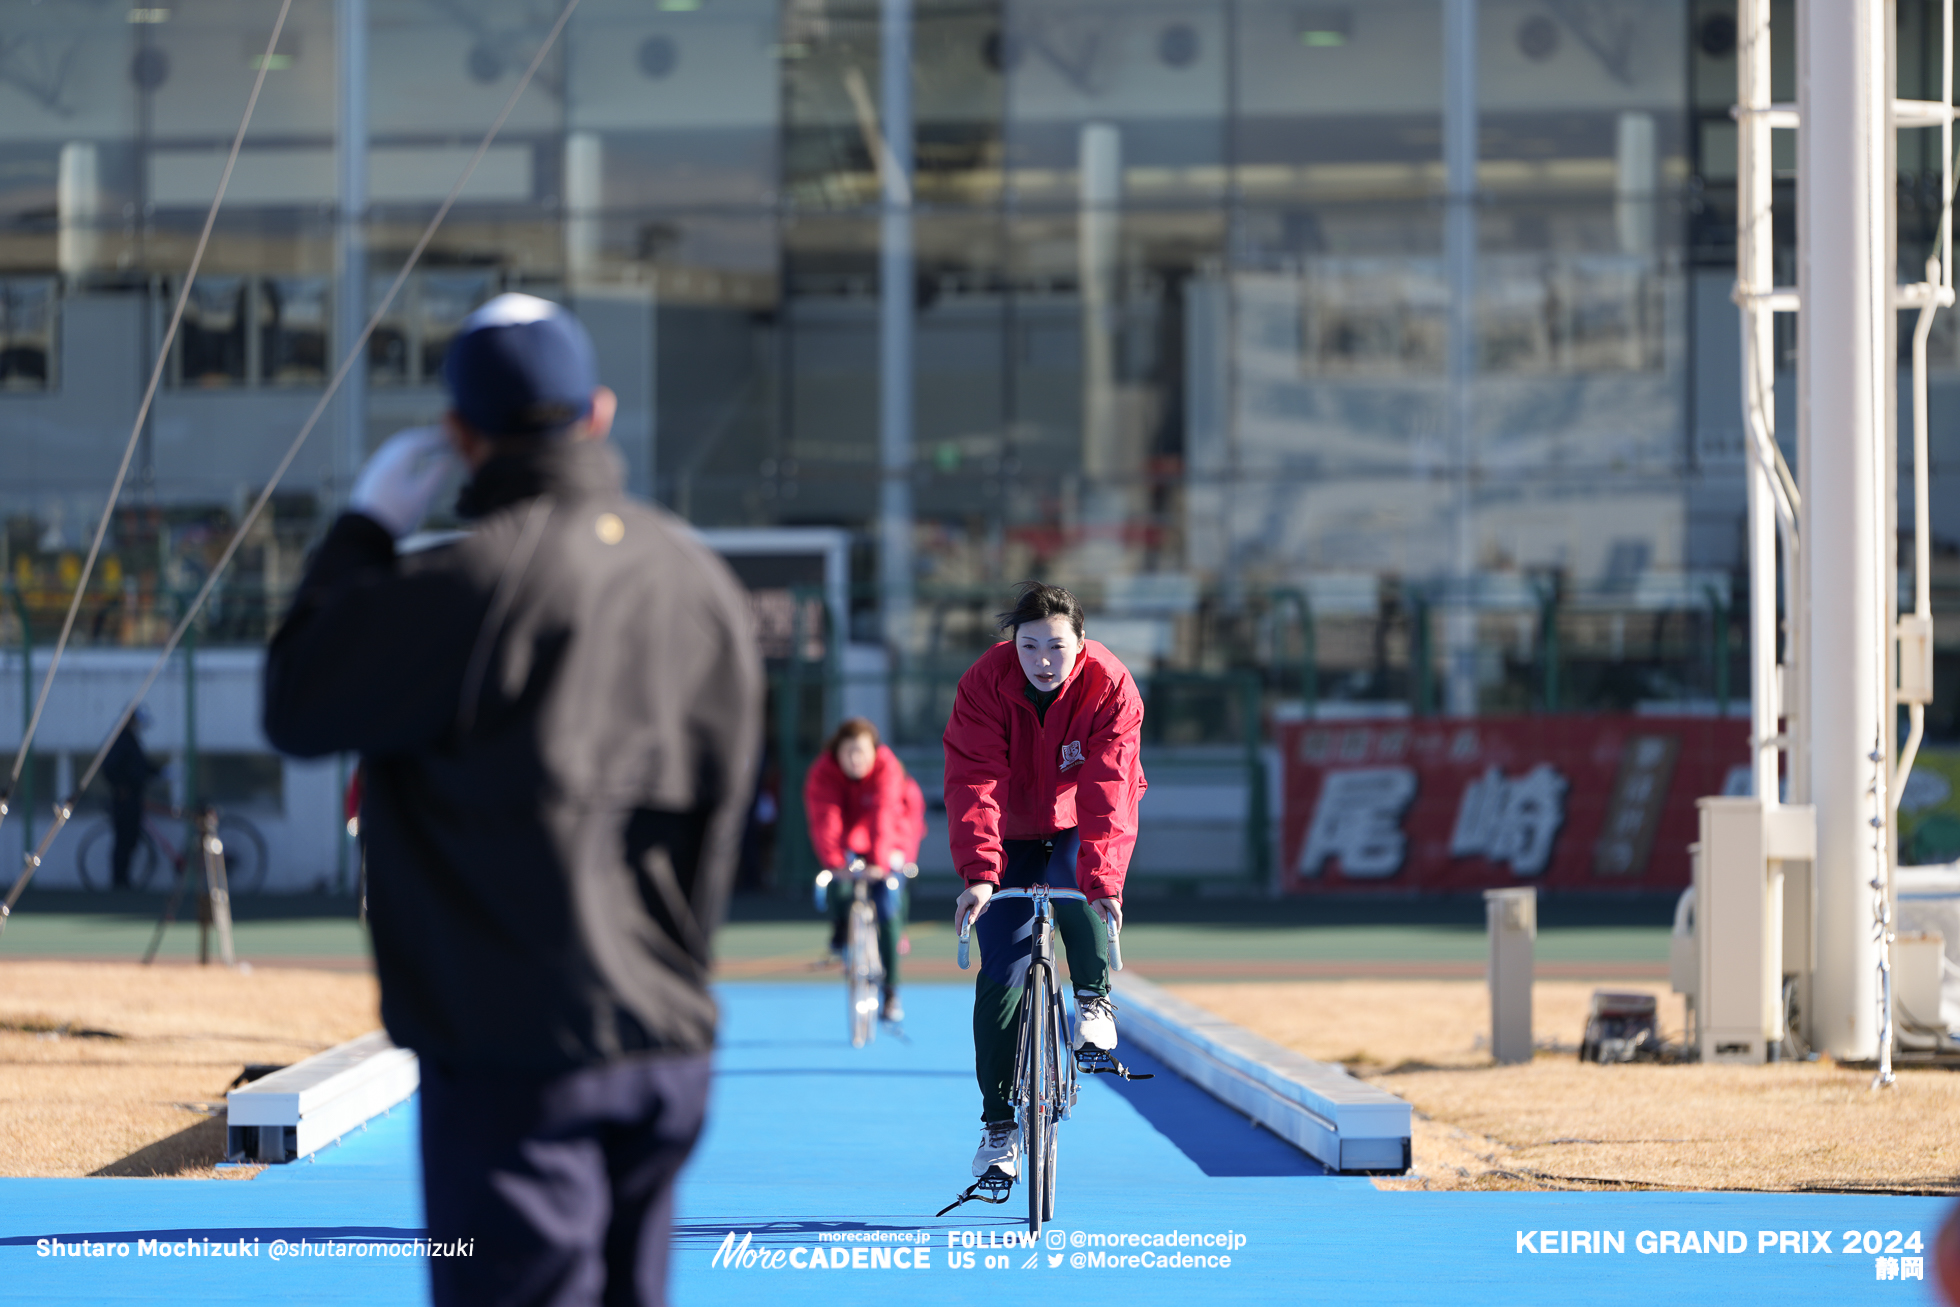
1205	315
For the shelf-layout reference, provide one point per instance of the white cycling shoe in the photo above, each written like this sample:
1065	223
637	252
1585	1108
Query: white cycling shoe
1095	1022
1000	1149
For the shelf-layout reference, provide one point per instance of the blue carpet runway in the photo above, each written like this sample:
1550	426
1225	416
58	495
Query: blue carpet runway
827	1164
363	1196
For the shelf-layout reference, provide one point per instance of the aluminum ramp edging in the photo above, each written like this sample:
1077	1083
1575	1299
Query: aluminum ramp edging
300	1109
1341	1122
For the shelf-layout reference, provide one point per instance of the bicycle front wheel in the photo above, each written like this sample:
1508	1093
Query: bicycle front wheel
1038	1090
1061	1075
862	973
95	858
1048	1194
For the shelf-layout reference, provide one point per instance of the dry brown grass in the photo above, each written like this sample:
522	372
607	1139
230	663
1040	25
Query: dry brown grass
1559	1123
120	1069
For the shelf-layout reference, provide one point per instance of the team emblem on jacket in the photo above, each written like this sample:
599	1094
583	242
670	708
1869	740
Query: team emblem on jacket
1071	754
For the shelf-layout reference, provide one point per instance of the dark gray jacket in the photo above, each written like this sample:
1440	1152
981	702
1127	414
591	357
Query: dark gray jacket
558	718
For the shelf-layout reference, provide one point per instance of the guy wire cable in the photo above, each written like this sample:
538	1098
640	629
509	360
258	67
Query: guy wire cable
143	411
65	809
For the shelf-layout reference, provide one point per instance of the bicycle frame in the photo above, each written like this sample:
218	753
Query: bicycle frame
149	829
154	817
173	855
158	821
1060	1089
864	968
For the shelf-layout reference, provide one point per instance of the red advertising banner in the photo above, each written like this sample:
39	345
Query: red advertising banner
1566	802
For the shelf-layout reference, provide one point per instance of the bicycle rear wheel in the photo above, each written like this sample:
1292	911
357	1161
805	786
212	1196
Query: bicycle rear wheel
862	972
245	859
1039	1088
95	858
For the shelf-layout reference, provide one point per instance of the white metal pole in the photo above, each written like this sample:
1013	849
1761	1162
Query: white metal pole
1755	271
1785	943
895	302
584	205
78	211
1460	260
1841	377
350	306
1885	563
1099	172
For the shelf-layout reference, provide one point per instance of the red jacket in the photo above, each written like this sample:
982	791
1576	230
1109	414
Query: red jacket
1012	776
915	818
875	816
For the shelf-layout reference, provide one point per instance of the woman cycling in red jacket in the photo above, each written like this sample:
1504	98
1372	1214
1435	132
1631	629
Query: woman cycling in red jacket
860	803
1043	780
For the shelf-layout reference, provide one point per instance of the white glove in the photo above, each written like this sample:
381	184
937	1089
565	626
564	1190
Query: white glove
401	479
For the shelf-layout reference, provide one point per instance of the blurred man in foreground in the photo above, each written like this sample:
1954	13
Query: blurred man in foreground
557	719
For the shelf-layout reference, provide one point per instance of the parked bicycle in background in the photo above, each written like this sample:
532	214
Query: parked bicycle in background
155	849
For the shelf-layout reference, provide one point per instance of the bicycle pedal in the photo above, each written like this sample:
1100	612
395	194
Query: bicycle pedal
1101	1062
996	1186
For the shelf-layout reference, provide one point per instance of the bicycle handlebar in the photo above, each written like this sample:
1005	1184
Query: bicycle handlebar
858	870
1041	892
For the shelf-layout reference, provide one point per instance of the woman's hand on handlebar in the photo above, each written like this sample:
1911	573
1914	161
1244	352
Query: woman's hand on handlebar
972	902
1110	910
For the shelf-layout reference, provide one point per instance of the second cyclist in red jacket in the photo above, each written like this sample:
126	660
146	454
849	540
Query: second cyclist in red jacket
1043	780
861	803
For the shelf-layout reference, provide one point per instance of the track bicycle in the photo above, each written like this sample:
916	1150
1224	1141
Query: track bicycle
864	965
245	855
1044	1088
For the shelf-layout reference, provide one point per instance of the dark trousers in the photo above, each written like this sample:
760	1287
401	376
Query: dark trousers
126	817
564	1183
1005	933
891	908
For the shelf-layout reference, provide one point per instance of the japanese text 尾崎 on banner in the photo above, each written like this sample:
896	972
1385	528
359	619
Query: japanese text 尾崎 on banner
1574	802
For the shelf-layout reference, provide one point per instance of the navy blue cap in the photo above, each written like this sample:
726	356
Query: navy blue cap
520	366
